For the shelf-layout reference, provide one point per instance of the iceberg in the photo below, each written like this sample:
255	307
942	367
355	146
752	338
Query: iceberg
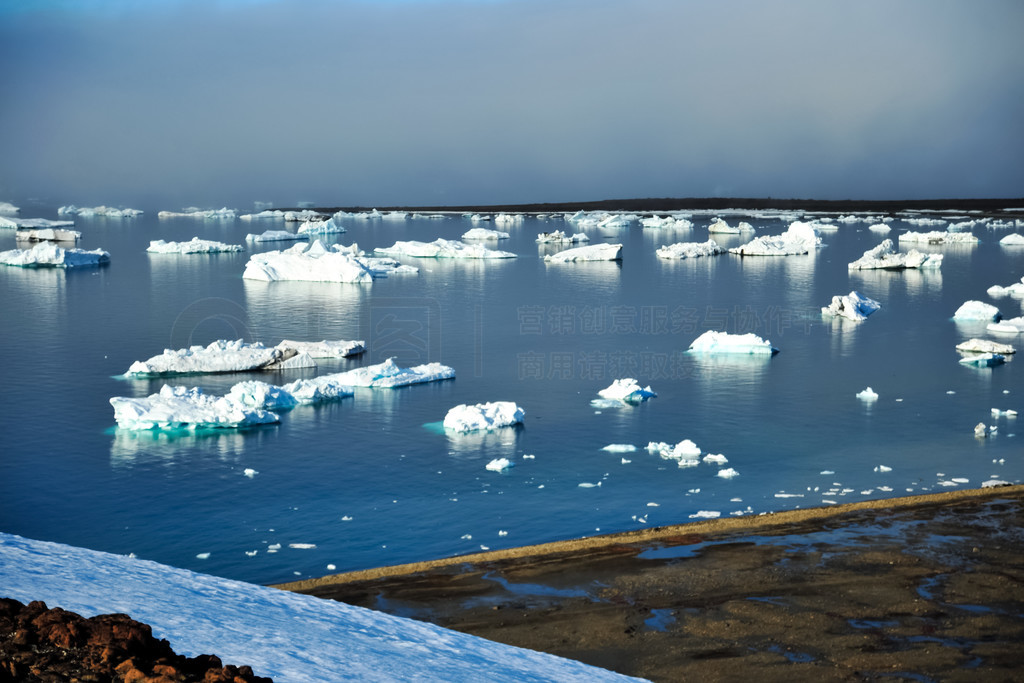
262	395
482	416
800	238
854	306
723	342
325	349
47	235
320	227
303	216
1012	240
442	248
105	211
985	346
559	237
7	207
595	252
627	390
508	219
315	262
884	257
274	236
939	237
48	255
683	250
686	452
192	212
1015	290
221	356
879	227
193	246
266	213
984	360
499	465
868	395
33	223
977	310
389	375
1007	326
484	234
670	222
720	226
186	408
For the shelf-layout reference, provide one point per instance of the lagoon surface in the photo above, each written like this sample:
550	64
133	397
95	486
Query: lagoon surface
373	480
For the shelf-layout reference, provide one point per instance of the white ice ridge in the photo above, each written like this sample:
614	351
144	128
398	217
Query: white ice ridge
884	257
985	346
47	235
471	418
682	250
17	223
107	211
720	226
1012	240
977	310
193	246
383	375
176	408
723	342
275	236
316	262
484	234
442	248
193	212
239	356
983	360
559	237
283	635
1015	290
854	306
939	237
800	238
627	390
868	395
673	222
594	252
320	227
48	255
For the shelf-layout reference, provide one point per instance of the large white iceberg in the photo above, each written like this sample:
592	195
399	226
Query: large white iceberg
442	248
275	236
720	226
559	237
800	238
105	211
186	408
48	255
977	310
854	306
985	346
1012	240
683	250
47	235
192	212
884	257
484	234
193	246
471	418
316	262
239	356
672	222
723	342
627	390
939	237
594	252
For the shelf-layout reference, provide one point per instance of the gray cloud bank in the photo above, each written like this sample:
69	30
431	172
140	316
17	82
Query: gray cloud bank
445	102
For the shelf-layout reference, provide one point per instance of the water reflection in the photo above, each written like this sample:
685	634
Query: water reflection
887	283
842	332
796	272
596	277
739	370
494	443
305	310
130	447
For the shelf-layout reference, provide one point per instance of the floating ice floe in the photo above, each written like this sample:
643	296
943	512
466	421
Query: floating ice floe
192	212
193	246
303	216
32	223
594	252
620	448
482	416
627	390
484	234
389	375
106	211
7	207
672	222
706	514
879	227
1009	413
320	227
1012	240
884	257
47	235
1015	290
186	408
939	237
683	250
239	356
442	248
854	306
984	360
316	262
868	395
720	226
985	346
266	213
49	255
727	473
980	430
977	310
800	238
686	453
341	348
499	465
559	237
600	220
723	342
275	236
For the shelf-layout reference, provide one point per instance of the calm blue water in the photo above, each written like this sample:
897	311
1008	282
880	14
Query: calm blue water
369	482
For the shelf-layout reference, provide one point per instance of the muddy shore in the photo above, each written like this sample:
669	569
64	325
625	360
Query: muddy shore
918	588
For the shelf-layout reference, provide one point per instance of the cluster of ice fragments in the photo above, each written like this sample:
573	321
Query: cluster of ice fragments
316	262
484	234
854	306
720	226
48	255
594	252
239	356
683	250
186	408
674	222
442	248
559	237
687	454
483	416
32	223
275	236
320	227
885	257
723	342
193	246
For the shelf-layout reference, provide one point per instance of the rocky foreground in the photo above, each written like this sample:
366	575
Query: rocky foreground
42	644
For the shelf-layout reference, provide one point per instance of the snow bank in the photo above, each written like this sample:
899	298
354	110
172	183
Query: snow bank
977	310
470	418
442	248
627	390
854	306
594	252
285	636
47	235
985	346
193	246
800	238
723	342
559	237
274	236
311	263
48	255
683	250
884	257
939	237
186	408
484	234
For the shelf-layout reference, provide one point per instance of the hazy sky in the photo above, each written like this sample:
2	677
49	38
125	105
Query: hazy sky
171	102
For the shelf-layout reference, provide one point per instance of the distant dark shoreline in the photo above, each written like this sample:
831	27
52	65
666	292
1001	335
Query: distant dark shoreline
987	206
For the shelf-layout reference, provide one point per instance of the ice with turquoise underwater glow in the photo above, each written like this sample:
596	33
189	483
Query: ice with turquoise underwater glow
374	479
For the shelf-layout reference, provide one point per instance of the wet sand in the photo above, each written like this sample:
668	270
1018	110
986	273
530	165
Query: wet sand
918	588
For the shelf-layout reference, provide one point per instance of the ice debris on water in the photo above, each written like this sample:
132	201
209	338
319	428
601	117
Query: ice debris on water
627	390
723	342
193	246
884	257
619	448
727	473
977	310
483	416
596	252
867	394
706	514
684	250
47	255
499	465
985	346
854	306
799	238
442	248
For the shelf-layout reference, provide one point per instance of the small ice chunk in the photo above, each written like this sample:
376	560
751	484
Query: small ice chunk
984	360
723	342
980	430
588	485
727	473
686	452
882	468
683	250
203	556
193	246
1012	240
249	472
627	390
442	248
985	346
484	234
175	408
867	394
499	465
706	514
274	236
595	252
799	238
854	306
302	546
619	448
977	310
469	418
715	459
48	255
884	257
